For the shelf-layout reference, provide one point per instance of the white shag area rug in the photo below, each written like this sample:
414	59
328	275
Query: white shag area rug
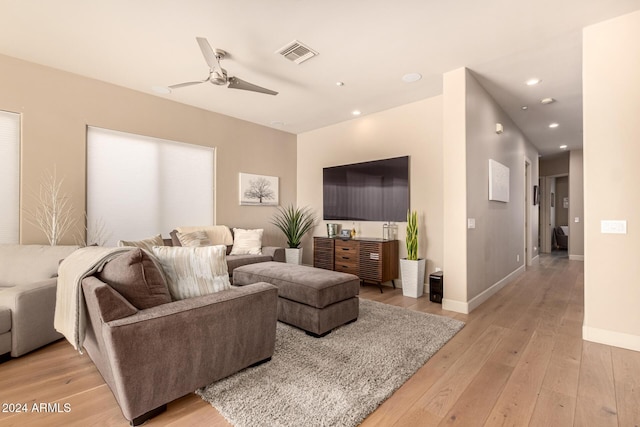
336	380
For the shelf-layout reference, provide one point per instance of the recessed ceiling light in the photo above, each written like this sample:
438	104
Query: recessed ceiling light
356	112
546	101
563	147
553	125
533	82
411	77
339	83
524	107
161	89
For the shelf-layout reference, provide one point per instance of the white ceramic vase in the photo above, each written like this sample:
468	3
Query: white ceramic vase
293	255
412	275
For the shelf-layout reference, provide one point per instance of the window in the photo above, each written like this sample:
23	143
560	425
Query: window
9	177
139	186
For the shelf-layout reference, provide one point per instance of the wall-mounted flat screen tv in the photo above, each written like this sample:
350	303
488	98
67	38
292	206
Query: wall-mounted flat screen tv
368	191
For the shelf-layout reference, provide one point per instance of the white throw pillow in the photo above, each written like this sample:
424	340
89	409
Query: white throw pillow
194	271
247	242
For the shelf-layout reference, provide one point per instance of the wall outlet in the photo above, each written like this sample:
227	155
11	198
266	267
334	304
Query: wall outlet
518	258
576	219
438	269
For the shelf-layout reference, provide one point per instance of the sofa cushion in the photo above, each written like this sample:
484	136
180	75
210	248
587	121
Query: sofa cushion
194	271
23	264
235	261
5	320
137	278
194	238
147	244
247	242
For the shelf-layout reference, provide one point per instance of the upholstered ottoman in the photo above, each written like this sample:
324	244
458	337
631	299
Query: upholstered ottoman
312	299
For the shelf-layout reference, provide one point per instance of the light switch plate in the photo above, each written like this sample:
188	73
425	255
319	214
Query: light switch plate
613	227
471	223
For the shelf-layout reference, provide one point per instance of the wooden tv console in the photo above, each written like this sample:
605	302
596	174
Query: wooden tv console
372	260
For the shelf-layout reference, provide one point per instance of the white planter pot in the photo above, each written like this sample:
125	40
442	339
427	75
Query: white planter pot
293	255
412	275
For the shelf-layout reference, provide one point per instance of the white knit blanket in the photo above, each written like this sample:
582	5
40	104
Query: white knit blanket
70	315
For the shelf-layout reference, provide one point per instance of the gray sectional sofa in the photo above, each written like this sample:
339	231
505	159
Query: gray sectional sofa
28	296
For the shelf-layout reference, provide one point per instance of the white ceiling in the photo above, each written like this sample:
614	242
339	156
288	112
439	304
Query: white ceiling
367	44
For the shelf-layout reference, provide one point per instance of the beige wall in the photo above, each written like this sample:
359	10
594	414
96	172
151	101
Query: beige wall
57	106
413	129
495	247
555	164
455	188
576	206
611	93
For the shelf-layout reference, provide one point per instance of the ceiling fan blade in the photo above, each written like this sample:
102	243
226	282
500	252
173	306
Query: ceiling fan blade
179	85
236	83
209	54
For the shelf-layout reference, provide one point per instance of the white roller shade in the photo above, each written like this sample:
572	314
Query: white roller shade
9	177
139	186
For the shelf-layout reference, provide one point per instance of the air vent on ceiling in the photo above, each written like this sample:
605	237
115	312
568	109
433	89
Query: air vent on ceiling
297	52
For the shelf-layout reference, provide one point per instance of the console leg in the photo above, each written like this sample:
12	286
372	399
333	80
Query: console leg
393	282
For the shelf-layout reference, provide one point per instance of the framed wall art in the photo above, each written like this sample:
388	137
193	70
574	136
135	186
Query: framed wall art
258	190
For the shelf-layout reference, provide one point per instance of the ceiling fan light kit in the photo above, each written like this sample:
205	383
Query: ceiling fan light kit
218	75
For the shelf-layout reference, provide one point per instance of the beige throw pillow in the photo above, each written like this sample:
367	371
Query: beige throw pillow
247	242
194	271
195	238
147	244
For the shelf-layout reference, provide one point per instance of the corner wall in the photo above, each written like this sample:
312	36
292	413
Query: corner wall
576	206
413	129
57	106
495	247
611	94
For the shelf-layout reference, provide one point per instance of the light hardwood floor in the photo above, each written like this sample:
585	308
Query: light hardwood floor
519	361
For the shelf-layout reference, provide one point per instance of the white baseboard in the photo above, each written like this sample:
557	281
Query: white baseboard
535	260
616	339
576	257
457	306
468	307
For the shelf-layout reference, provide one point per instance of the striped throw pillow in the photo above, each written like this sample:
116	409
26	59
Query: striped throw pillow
194	271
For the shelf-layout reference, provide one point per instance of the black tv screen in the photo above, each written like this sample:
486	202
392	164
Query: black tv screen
368	191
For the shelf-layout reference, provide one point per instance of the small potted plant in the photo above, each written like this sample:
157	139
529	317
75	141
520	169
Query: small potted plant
294	223
412	268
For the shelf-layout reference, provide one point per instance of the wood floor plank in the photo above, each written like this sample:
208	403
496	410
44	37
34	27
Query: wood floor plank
476	402
564	367
626	371
517	401
553	409
596	404
439	399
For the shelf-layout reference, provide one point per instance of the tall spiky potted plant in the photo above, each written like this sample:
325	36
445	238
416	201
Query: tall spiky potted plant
294	223
412	268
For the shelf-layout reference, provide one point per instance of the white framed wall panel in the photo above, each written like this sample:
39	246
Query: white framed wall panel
9	177
139	186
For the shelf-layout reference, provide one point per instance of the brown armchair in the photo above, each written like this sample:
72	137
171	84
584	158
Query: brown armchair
153	356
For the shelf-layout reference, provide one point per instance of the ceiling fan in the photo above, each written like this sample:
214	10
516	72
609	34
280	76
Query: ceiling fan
218	75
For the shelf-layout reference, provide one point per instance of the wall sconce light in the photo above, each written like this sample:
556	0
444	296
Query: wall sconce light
499	128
